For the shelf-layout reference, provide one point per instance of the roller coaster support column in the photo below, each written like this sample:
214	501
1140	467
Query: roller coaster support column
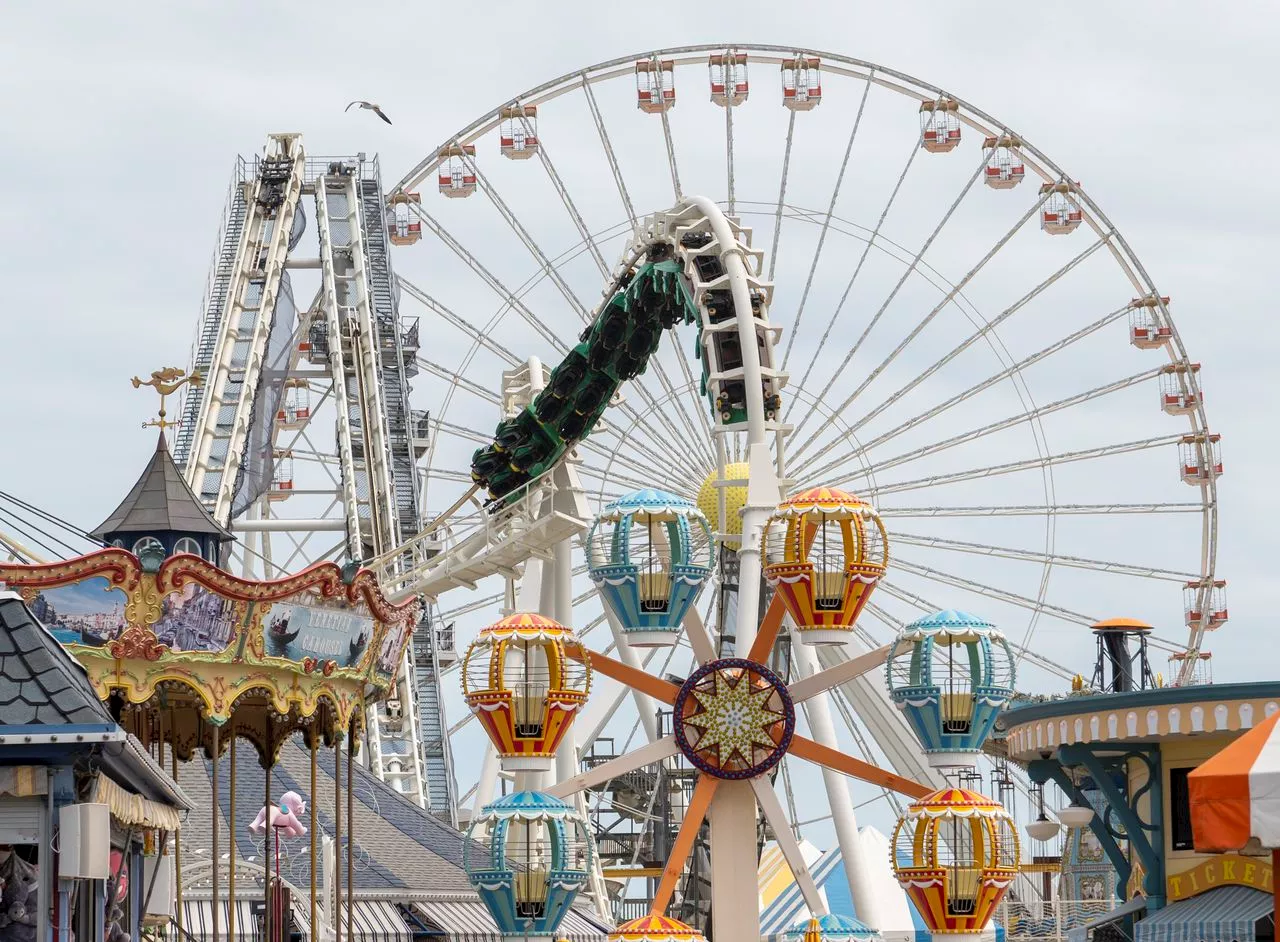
856	868
734	814
762	487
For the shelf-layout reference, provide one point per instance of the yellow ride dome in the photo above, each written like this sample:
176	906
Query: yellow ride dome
735	498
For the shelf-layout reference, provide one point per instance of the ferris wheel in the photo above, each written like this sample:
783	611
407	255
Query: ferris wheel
956	334
855	280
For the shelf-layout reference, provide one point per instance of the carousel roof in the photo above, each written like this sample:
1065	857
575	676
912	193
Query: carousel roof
160	501
40	683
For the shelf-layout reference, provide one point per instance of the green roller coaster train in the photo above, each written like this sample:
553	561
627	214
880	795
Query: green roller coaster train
616	347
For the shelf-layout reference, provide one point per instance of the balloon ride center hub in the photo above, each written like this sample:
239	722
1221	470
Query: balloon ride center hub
734	718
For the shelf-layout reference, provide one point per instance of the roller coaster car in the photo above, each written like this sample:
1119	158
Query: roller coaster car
566	377
572	426
728	351
695	240
550	408
612	331
658	251
486	463
598	358
504	483
731	402
526	458
595	396
508	435
643	341
719	306
709	267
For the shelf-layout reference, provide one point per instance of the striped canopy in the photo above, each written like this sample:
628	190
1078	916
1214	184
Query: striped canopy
1235	795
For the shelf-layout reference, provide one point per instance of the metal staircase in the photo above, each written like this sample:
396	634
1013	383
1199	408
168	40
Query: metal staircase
234	338
216	298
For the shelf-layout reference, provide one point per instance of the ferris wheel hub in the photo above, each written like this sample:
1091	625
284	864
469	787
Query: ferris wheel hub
734	719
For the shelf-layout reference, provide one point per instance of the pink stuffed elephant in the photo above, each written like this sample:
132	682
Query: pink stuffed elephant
283	817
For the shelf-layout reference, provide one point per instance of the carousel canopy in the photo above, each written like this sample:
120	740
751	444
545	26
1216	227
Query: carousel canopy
160	501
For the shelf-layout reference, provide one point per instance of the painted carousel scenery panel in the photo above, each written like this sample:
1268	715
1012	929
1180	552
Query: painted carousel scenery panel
197	619
392	644
89	612
305	626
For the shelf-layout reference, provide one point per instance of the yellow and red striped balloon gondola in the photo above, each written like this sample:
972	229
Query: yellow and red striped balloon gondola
520	682
961	853
825	551
655	928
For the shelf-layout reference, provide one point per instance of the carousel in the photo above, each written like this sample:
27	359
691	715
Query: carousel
189	658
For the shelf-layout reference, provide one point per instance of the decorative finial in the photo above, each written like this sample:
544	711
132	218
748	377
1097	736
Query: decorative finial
166	382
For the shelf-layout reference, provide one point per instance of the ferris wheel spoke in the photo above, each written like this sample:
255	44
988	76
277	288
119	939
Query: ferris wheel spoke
539	256
993	427
692	440
1011	467
910	269
728	156
671	146
826	225
782	194
1042	558
857	269
679	457
776	817
462	382
640	483
984	332
325	465
483	338
569	205
1040	510
502	291
440	427
647	469
1004	595
995	379
618	180
692	402
444	474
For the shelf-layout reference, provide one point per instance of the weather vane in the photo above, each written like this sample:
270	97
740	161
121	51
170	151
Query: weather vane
166	382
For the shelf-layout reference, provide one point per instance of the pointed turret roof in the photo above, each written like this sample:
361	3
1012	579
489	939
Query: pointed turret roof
161	501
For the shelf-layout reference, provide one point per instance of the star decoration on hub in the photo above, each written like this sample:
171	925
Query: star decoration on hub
736	718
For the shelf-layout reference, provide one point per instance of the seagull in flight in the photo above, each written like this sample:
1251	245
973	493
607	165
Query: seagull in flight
368	106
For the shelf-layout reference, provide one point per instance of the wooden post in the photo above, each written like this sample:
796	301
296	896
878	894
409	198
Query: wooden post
217	811
231	857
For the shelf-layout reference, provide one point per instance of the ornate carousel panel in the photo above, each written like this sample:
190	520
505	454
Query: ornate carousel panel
187	647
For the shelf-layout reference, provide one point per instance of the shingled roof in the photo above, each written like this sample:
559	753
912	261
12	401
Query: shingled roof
399	846
161	501
40	683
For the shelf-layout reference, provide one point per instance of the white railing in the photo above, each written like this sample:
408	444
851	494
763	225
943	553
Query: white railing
1049	921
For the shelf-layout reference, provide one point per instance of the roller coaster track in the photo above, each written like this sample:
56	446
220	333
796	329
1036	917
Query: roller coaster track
672	274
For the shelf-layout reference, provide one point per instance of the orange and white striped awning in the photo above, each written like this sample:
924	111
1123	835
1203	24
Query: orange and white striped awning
1235	795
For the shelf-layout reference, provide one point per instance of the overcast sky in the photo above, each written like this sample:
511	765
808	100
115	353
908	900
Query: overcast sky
121	123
